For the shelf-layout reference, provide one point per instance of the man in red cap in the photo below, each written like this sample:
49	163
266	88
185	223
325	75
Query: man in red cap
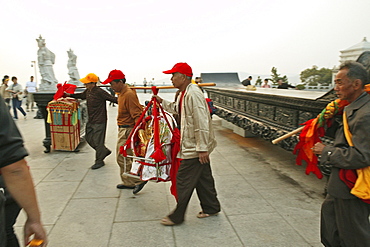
197	142
129	111
96	126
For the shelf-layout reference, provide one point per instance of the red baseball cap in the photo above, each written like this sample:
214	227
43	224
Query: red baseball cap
114	75
182	68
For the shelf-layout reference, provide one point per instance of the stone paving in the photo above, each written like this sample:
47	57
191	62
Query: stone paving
266	199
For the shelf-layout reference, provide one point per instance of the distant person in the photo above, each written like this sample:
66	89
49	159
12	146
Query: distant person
17	95
197	143
284	85
129	112
247	81
31	89
111	91
145	84
96	126
344	216
18	180
5	94
266	84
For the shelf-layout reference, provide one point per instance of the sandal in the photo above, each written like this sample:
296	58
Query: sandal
204	215
167	221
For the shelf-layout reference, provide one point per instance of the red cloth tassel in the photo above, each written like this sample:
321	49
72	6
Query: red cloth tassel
61	88
307	138
175	161
158	154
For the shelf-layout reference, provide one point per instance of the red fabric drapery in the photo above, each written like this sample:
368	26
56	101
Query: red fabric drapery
158	154
61	88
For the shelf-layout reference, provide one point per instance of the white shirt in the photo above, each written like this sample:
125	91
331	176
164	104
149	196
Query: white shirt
31	86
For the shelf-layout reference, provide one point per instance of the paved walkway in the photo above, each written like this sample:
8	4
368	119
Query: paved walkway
266	199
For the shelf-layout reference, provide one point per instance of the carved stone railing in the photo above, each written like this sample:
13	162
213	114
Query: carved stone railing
269	113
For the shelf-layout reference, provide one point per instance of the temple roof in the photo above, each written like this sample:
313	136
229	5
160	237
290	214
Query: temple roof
364	45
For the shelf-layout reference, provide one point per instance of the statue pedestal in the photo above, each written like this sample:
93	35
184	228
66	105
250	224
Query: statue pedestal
42	99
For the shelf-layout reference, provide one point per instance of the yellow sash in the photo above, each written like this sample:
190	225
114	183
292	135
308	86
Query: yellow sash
362	185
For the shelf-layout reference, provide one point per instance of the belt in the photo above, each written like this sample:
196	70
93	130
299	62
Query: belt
124	126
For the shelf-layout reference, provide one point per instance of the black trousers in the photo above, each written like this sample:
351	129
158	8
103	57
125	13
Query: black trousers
95	137
345	222
11	213
194	175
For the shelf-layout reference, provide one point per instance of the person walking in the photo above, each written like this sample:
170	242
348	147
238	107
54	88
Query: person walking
344	216
31	89
129	111
18	180
17	95
96	126
5	94
145	83
197	143
111	91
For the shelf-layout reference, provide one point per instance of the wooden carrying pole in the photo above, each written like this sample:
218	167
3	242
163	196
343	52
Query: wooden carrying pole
210	84
287	135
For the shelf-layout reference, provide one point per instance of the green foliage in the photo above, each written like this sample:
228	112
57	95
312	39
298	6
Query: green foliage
315	76
300	86
275	76
258	81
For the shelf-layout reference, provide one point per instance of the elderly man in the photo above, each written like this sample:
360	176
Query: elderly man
197	142
96	126
129	111
345	217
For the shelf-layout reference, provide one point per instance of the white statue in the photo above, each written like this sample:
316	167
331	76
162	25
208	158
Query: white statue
72	69
46	59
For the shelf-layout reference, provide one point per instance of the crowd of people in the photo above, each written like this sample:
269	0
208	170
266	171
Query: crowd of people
280	83
14	95
344	217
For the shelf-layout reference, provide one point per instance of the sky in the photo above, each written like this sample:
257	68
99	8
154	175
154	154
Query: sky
144	37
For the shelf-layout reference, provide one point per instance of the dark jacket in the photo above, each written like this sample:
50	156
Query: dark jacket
246	82
341	155
285	86
11	142
96	106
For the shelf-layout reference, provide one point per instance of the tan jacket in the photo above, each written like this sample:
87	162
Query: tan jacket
129	108
5	94
196	125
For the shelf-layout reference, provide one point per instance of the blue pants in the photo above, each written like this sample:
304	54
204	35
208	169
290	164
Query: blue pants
17	104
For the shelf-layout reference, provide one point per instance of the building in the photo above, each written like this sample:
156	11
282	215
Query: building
355	51
352	53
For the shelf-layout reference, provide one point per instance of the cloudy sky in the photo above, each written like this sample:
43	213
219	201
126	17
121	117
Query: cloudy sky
144	37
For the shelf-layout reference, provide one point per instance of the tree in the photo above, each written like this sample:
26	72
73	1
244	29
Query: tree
315	76
275	76
258	81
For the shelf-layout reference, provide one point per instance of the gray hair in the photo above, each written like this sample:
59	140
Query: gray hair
355	71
